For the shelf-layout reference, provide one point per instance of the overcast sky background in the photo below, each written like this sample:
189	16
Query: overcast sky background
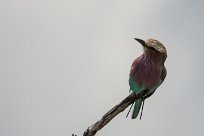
65	63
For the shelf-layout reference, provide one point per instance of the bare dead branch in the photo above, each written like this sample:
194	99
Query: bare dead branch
92	130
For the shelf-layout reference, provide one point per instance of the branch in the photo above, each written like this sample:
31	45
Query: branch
92	130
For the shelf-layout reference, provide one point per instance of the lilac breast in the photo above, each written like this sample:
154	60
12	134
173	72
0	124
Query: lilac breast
146	72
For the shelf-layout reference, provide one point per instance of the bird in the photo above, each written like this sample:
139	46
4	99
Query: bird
147	72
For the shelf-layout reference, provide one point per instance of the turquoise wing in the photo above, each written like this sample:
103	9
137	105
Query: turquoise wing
136	89
134	86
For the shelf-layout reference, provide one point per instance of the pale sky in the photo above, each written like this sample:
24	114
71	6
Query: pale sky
65	63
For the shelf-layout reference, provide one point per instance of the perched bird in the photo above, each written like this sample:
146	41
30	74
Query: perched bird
147	72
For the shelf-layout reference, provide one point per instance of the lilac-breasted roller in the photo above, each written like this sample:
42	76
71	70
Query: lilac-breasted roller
147	72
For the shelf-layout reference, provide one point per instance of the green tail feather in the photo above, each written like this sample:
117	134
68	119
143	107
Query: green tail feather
136	109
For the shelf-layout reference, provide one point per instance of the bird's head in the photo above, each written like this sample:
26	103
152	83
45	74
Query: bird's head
154	47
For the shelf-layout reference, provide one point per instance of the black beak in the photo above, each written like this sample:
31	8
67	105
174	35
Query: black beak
140	41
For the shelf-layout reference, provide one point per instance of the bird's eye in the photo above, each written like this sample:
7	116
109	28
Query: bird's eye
152	48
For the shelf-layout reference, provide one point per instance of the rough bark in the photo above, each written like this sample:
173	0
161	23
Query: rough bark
92	130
